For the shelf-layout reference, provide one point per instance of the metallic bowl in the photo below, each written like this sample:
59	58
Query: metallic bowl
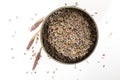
51	51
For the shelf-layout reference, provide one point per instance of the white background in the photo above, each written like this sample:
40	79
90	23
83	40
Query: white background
14	33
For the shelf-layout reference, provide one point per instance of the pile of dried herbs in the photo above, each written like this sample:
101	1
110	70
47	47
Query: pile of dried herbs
67	32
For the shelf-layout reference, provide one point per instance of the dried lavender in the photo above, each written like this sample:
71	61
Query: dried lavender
36	24
30	43
37	59
69	34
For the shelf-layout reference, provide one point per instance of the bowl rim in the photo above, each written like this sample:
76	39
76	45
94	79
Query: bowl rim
75	7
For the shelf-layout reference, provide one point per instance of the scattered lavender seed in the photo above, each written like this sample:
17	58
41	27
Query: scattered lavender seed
56	69
24	53
98	62
87	61
35	72
26	72
92	15
106	22
103	55
103	66
38	35
37	38
47	72
32	51
52	77
33	47
33	54
9	20
48	56
11	48
96	12
13	36
53	72
65	4
15	32
13	57
35	14
76	3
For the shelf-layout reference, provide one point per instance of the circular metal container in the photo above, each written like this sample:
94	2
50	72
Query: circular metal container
50	50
